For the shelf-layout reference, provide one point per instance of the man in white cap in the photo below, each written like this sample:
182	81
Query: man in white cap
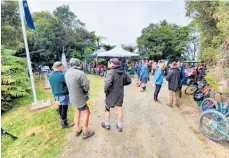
115	80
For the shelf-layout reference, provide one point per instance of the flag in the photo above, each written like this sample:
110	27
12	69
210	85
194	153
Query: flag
28	17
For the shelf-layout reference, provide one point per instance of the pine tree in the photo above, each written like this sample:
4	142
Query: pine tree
15	80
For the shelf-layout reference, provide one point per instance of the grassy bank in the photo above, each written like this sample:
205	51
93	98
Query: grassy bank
39	132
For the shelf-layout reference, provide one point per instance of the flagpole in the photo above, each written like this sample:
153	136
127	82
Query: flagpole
27	51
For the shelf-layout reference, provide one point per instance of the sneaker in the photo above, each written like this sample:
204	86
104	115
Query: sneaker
170	105
79	132
88	134
119	128
65	124
107	127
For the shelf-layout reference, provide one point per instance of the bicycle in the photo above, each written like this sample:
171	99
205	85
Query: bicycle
221	106
214	125
190	90
202	94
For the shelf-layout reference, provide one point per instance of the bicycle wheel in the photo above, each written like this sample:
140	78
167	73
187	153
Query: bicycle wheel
190	90
208	104
213	125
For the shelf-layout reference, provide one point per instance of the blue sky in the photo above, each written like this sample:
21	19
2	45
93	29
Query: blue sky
120	22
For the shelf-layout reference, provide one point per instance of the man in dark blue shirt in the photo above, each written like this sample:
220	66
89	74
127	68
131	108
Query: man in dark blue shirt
174	77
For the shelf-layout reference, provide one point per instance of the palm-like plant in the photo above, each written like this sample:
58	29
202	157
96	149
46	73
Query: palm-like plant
99	39
129	48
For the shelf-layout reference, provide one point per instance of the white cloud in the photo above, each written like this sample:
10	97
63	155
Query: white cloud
119	22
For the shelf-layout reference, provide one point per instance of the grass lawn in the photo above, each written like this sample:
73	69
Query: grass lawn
39	132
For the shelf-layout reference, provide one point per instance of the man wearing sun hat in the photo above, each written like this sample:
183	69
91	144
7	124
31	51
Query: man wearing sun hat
60	92
174	77
115	80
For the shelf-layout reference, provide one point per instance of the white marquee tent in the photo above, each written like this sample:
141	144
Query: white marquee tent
117	52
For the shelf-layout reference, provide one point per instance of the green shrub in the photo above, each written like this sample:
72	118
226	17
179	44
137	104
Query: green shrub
15	81
212	80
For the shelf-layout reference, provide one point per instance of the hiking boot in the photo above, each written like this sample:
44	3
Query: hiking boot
79	132
88	134
157	101
170	105
119	128
65	124
107	127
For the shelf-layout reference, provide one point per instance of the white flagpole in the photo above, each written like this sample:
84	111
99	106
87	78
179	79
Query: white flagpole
27	51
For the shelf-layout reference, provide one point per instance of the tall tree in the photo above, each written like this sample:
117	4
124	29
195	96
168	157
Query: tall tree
163	40
222	15
54	33
211	18
67	17
76	37
192	48
11	28
203	14
48	36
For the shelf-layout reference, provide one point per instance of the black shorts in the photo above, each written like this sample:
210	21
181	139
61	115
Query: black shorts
85	107
107	107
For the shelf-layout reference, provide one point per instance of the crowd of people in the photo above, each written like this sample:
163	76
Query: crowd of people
175	78
100	68
94	67
73	87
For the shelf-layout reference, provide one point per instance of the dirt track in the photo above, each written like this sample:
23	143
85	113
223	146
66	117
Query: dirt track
151	130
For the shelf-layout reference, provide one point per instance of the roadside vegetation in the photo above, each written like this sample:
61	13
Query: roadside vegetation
39	132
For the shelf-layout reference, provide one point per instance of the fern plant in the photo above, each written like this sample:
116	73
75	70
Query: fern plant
15	81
